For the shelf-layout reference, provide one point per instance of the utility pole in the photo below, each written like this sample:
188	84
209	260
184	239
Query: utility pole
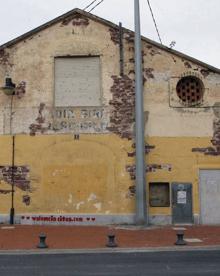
141	206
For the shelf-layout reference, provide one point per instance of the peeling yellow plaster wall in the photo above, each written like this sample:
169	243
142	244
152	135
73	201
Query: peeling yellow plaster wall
89	175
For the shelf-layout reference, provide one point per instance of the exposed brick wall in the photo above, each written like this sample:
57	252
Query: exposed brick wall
148	148
205	72
21	175
76	20
39	127
148	74
122	103
187	64
153	50
4	58
114	33
5	192
129	37
20	89
131	169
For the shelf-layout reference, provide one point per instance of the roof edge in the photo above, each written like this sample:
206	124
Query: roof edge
110	24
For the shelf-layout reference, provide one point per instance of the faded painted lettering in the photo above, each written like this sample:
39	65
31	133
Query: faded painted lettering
80	120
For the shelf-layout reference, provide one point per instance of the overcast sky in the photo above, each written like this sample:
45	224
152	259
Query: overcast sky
193	24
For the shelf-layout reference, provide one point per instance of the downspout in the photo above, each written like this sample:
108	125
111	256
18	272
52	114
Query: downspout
121	48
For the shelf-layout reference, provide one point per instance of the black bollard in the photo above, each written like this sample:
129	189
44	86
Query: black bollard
180	240
42	243
111	240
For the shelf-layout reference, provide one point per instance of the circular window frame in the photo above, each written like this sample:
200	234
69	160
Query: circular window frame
190	90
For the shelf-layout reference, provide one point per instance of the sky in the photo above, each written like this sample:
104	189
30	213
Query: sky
192	24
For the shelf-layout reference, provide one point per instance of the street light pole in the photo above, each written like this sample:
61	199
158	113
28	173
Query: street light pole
141	206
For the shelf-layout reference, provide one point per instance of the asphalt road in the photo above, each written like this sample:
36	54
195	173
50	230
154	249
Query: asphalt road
126	264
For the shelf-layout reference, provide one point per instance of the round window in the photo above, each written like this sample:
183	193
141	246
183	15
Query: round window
190	90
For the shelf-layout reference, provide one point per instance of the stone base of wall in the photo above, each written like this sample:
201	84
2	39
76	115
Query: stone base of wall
197	219
160	220
167	219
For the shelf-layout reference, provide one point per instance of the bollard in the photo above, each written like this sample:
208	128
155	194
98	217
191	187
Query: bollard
42	243
180	240
111	240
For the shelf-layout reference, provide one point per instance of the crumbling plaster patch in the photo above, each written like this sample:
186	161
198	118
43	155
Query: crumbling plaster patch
5	58
76	20
213	150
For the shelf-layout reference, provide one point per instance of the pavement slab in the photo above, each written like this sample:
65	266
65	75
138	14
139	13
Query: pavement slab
22	237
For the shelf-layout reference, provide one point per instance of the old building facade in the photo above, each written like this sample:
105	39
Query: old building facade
68	130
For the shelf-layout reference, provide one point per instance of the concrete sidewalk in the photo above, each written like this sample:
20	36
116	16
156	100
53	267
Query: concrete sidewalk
20	237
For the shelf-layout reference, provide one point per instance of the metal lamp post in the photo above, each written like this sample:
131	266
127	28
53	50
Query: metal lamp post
141	206
9	89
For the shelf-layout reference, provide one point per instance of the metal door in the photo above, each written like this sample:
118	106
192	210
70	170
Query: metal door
209	196
182	203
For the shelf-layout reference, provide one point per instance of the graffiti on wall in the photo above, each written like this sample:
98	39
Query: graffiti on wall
58	219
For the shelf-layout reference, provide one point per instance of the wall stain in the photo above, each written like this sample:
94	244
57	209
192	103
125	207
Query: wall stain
26	200
131	191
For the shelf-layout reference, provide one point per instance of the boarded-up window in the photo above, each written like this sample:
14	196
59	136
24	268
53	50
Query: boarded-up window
159	194
77	81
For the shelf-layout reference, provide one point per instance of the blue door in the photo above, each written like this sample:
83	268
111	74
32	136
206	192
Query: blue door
182	203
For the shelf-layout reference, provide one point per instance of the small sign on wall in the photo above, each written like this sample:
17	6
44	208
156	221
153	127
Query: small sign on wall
181	197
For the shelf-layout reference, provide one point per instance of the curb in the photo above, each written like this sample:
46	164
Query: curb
108	250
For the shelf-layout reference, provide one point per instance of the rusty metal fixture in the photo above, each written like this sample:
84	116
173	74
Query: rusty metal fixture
42	244
111	240
180	238
190	90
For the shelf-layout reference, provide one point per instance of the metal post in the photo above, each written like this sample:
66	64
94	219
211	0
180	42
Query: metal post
12	210
141	206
